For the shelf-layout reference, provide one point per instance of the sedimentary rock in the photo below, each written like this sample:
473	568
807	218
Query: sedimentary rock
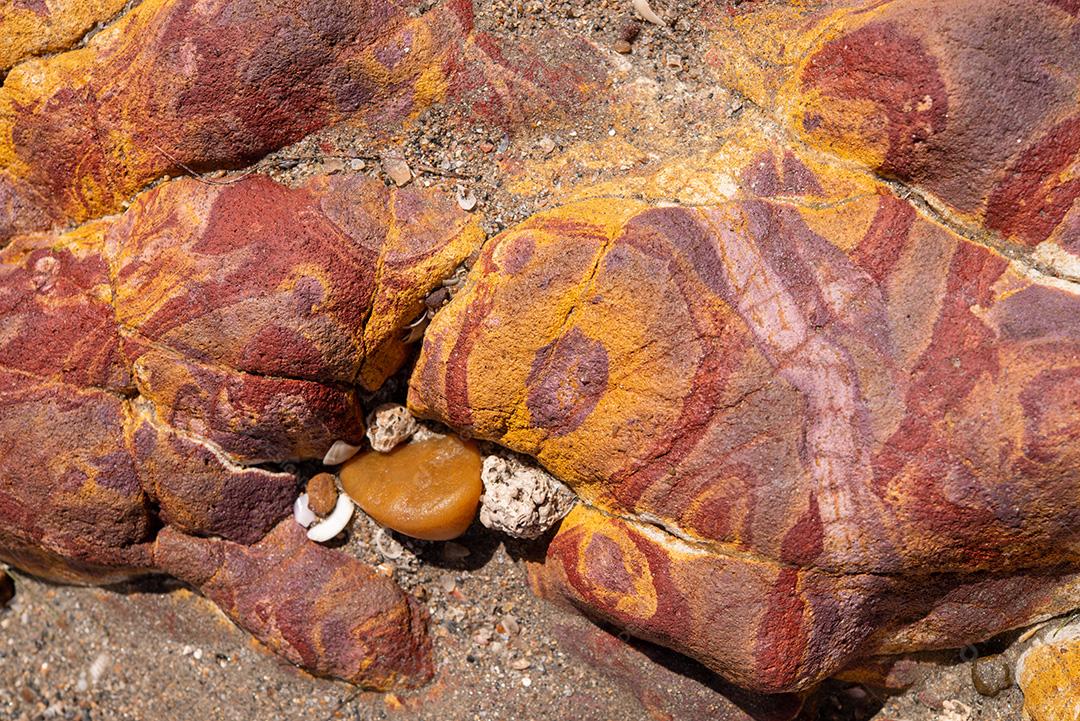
149	362
318	608
812	420
971	103
34	27
1049	672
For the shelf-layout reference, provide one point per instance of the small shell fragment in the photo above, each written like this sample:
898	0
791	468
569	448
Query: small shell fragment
334	523
643	9
339	453
466	199
301	512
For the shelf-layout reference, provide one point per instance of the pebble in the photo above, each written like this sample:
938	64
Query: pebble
520	664
547	145
511	625
453	551
397	170
622	47
322	493
991	675
7	588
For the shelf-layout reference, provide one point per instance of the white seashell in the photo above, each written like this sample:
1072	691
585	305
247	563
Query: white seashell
334	523
642	6
339	453
301	512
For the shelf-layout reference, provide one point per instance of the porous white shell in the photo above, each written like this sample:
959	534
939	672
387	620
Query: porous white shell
302	512
389	425
334	523
520	498
339	453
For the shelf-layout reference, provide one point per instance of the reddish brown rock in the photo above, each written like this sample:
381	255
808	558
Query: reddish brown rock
318	608
182	86
34	27
149	363
322	493
670	687
205	84
973	103
815	423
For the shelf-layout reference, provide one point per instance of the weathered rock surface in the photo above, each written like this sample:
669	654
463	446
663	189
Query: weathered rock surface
322	610
150	361
34	27
181	85
969	102
1049	673
206	84
669	687
811	420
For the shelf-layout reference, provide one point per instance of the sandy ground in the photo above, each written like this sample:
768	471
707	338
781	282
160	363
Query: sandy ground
154	651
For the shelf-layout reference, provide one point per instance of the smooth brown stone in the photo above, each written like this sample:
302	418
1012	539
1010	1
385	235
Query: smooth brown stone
322	493
428	489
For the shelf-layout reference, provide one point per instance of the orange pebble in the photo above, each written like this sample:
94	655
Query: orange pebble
428	489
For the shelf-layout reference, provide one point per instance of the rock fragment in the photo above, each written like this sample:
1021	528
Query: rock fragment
397	170
520	499
991	675
322	493
389	425
1049	672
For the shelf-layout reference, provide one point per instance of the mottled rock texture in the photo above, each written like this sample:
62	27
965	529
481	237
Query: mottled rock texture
668	686
1049	673
813	420
839	410
150	361
970	103
320	609
35	27
202	84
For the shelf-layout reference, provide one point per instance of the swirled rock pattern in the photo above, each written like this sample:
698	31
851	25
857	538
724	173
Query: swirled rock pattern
971	103
782	416
182	85
205	83
150	361
318	608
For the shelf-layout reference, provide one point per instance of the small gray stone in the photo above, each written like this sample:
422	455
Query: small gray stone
991	675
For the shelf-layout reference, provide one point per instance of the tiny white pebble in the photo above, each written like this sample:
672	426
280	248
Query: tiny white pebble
197	654
526	682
